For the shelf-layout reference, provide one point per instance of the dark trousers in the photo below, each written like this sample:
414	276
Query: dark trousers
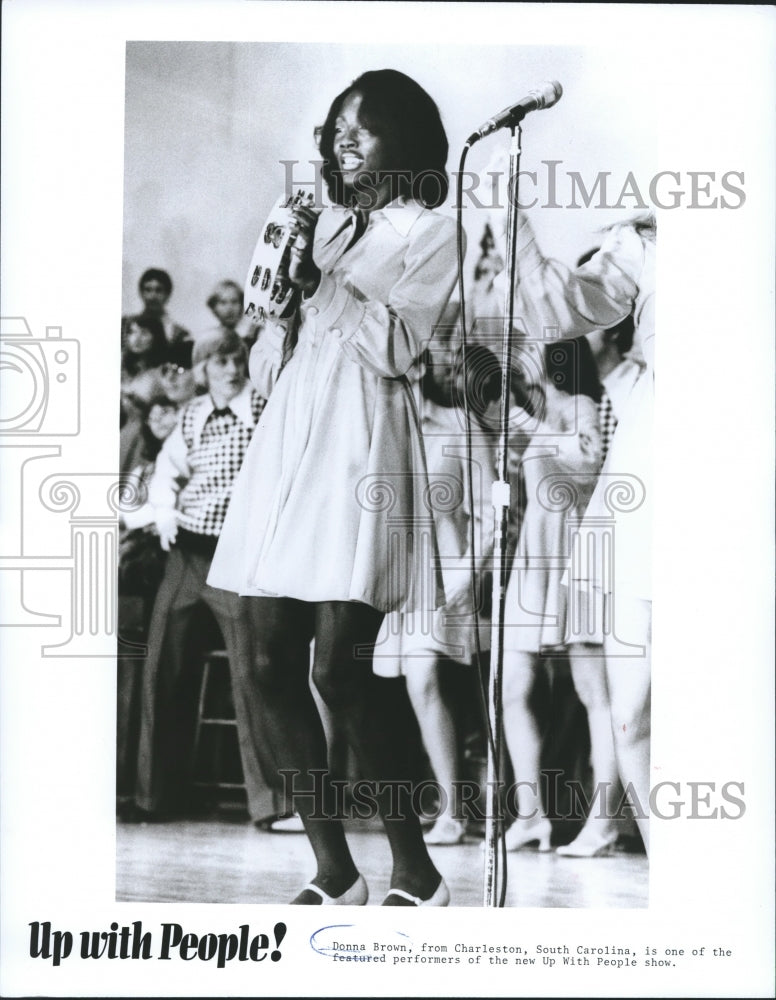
133	628
168	696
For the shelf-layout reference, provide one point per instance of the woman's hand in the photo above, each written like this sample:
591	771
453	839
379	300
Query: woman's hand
167	527
302	270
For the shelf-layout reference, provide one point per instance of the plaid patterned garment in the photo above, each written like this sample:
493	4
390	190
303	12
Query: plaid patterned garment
606	422
214	460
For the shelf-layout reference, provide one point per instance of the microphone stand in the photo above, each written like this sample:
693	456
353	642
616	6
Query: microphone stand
501	508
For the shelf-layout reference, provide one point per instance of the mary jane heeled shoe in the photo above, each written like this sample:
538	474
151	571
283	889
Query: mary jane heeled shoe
356	895
440	897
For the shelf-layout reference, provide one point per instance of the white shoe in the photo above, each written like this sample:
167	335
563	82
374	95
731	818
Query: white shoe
446	831
356	895
526	831
287	824
591	842
440	897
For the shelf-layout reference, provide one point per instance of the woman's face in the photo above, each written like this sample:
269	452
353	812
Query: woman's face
361	156
161	420
225	375
228	307
139	340
154	296
177	382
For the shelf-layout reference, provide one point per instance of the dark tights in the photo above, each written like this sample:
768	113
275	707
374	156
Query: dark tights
361	707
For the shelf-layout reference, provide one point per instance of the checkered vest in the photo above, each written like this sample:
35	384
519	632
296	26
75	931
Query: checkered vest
214	461
606	422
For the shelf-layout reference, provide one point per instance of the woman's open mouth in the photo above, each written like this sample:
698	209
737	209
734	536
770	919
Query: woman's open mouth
349	162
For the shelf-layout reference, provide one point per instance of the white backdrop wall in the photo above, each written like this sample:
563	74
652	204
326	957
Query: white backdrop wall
207	124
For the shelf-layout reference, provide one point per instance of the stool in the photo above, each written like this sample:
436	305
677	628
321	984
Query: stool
215	715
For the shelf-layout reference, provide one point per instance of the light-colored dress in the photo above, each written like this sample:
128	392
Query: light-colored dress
616	281
559	467
449	631
330	502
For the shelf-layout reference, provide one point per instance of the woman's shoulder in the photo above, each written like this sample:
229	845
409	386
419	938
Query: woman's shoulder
434	218
194	405
428	226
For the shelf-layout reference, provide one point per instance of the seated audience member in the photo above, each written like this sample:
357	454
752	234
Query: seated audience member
155	288
144	350
188	497
226	303
176	376
141	438
173	378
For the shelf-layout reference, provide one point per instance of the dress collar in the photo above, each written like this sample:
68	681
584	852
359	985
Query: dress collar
402	213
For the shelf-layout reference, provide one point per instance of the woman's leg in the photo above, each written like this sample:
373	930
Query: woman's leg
367	708
629	681
437	727
522	692
281	630
337	746
588	672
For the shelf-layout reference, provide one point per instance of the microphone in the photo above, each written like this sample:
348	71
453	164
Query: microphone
543	97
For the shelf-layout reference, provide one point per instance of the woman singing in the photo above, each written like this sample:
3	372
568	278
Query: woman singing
317	531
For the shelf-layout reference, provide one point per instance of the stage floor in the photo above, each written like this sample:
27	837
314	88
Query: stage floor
221	859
